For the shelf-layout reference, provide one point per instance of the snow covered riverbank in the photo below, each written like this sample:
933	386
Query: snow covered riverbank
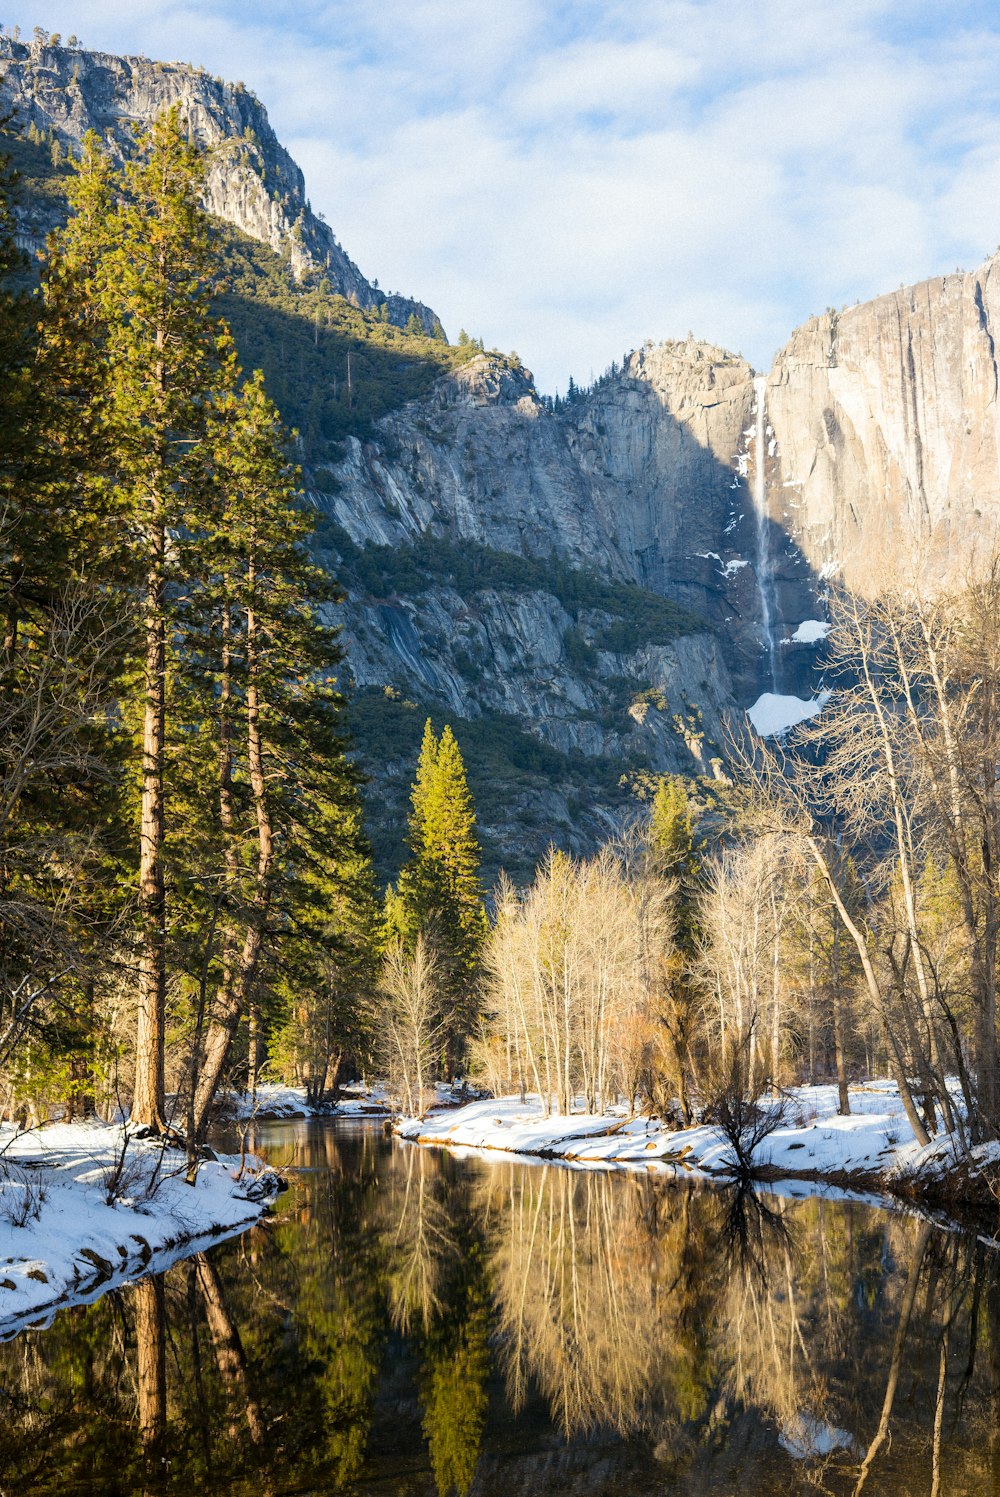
274	1100
79	1214
873	1148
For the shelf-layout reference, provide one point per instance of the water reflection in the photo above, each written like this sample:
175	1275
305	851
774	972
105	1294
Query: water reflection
415	1324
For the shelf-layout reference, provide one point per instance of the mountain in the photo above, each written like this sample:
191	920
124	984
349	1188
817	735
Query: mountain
252	182
585	592
887	430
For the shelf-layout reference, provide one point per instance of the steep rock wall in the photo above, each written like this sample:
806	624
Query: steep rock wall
252	182
888	431
640	481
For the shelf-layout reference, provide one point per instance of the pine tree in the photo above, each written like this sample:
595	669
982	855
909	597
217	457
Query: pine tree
58	665
138	256
324	974
439	890
670	836
287	797
27	576
671	846
186	492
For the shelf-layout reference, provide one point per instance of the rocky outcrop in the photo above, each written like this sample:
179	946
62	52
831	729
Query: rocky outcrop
639	483
252	182
887	432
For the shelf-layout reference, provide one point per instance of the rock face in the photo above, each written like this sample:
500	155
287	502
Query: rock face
252	181
888	431
647	481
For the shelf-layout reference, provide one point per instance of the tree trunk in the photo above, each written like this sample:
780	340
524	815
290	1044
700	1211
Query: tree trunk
232	1003
256	1052
843	1095
147	1103
229	1354
874	992
151	1360
895	1365
993	1327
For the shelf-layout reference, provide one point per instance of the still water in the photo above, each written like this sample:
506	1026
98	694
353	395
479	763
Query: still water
413	1323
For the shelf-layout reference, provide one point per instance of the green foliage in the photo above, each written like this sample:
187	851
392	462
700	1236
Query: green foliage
455	1401
439	892
501	758
332	368
670	836
155	562
471	568
579	654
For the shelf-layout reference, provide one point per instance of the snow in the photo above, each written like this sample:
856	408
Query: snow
726	568
829	569
810	632
773	713
805	1437
73	1245
874	1142
277	1101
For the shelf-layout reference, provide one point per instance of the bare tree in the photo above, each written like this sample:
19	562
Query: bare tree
573	969
408	1021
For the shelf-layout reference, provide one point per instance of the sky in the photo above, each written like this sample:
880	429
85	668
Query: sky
567	178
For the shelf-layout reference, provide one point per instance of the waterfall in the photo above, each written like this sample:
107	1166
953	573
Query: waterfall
765	580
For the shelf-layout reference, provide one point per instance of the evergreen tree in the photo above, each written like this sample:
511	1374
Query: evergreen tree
130	291
287	798
672	852
439	890
324	970
187	505
58	666
27	576
454	1386
670	836
169	358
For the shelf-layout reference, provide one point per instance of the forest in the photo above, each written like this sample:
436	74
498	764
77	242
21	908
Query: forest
188	902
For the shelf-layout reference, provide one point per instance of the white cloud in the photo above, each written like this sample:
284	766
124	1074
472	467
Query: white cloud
569	180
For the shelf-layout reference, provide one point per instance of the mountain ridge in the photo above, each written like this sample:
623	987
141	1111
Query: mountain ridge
256	186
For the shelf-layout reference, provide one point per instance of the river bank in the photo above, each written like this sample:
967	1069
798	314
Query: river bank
84	1207
872	1150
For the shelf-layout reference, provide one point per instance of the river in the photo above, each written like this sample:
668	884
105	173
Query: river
411	1322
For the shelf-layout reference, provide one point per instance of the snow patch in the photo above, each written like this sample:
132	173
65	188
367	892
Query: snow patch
726	568
812	1139
62	1242
810	632
805	1437
773	713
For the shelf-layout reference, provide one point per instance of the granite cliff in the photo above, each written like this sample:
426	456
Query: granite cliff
887	430
252	182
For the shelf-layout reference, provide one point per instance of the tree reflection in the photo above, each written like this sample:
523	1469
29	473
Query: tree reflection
439	1296
151	1362
598	1297
407	1316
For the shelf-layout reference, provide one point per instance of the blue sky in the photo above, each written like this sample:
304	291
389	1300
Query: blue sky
568	179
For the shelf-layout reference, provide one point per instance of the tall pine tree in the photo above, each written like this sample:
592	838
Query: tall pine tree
285	789
439	890
58	664
672	852
137	253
